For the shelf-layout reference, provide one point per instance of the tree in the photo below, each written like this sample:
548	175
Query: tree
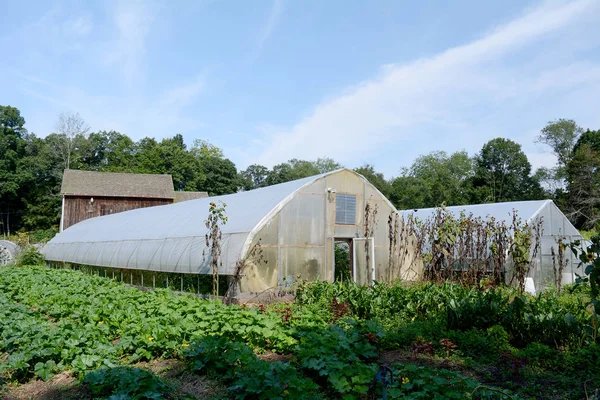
12	178
503	173
326	164
221	177
561	136
583	182
375	178
447	178
591	138
408	192
253	177
204	149
291	170
71	128
433	179
108	151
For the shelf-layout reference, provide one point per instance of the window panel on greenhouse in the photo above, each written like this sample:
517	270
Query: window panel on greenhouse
345	209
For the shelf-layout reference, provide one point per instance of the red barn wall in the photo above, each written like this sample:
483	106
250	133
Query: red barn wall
79	208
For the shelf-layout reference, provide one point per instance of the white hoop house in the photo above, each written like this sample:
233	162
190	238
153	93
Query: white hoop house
554	225
294	224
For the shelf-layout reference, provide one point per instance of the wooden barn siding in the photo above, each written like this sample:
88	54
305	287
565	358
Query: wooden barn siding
79	208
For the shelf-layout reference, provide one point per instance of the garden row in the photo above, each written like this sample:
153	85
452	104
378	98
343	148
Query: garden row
64	320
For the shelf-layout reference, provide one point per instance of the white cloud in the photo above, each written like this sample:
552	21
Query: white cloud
267	29
137	116
455	93
182	95
132	21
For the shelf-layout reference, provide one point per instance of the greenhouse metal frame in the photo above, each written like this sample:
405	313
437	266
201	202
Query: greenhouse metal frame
555	225
273	236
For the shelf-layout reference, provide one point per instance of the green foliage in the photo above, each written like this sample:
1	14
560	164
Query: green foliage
248	376
339	358
549	318
376	179
342	262
418	382
100	322
561	135
434	179
60	319
30	256
503	173
126	383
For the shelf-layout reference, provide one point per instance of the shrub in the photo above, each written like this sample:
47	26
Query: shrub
249	377
414	382
30	256
126	382
338	358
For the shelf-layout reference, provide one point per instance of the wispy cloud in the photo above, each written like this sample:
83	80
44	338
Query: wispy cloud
132	20
454	93
157	116
275	13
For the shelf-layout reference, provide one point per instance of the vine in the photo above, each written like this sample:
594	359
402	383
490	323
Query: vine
524	245
559	263
370	225
216	218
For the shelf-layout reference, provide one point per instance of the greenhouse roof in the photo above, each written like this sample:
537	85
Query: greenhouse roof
526	210
245	210
172	237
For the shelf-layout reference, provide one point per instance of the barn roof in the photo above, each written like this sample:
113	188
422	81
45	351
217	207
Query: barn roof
116	184
185	196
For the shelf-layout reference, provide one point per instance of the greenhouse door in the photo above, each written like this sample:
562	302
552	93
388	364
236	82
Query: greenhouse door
363	274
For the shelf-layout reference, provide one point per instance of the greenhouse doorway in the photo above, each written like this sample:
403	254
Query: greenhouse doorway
342	260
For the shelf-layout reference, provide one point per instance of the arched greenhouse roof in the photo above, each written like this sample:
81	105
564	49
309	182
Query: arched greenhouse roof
526	210
171	237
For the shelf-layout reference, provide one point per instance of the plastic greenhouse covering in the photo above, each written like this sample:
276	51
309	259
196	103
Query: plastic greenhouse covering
554	224
171	238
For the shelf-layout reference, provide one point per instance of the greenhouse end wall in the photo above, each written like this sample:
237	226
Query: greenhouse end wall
298	241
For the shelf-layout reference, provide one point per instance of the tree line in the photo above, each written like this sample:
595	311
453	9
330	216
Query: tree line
31	170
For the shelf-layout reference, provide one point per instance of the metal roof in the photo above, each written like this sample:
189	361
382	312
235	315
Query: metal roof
116	184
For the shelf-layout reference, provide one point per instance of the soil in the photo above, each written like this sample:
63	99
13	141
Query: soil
61	387
66	387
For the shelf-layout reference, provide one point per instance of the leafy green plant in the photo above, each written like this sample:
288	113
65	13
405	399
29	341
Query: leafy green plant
127	383
418	382
339	358
248	376
30	256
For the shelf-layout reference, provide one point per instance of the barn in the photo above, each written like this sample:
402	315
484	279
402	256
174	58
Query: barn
273	235
554	225
89	194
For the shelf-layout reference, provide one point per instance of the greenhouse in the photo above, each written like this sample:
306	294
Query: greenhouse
273	235
555	227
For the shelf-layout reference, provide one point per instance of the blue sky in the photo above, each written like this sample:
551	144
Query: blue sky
362	82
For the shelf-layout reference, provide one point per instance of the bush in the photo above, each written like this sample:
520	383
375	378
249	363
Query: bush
250	377
339	358
414	382
481	344
30	256
127	383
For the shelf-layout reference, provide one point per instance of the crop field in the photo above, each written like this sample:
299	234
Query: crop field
334	341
